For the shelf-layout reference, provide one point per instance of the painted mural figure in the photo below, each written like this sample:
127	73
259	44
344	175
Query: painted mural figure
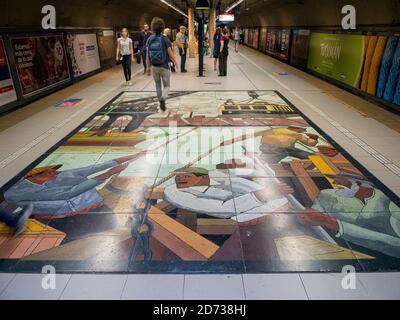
358	213
279	143
60	194
214	194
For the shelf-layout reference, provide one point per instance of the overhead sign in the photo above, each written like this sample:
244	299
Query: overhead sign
226	17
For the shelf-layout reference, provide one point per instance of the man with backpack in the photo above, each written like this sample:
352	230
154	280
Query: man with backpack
159	54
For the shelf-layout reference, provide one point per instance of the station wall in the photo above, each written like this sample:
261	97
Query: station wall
366	63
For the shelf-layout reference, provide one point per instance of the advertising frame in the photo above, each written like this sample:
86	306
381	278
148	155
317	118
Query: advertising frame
278	34
45	89
356	90
71	57
14	99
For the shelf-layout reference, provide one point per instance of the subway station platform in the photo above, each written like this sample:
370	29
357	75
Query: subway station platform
195	203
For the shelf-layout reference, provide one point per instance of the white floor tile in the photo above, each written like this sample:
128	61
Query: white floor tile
94	287
273	287
5	279
323	286
381	286
210	287
29	287
153	287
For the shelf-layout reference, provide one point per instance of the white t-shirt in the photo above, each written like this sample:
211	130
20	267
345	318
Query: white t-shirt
124	46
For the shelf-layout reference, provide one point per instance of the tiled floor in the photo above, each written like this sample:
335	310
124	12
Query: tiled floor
365	133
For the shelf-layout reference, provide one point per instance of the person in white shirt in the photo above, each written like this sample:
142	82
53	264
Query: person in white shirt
236	37
226	194
125	54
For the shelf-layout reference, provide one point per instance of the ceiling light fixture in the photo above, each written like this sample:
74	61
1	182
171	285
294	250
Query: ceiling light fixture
202	5
175	8
234	6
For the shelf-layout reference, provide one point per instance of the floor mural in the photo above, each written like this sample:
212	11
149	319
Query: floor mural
225	181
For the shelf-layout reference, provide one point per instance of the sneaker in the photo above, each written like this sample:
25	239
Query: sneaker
130	83
162	106
22	219
145	71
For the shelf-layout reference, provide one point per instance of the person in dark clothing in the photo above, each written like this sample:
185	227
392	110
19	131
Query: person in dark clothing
217	40
144	37
223	53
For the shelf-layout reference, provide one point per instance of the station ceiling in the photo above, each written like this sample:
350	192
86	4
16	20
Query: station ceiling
134	13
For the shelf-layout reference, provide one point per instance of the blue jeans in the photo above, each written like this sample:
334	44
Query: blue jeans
9	219
144	57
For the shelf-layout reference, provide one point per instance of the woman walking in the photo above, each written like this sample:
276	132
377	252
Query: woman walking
223	53
217	40
236	37
125	54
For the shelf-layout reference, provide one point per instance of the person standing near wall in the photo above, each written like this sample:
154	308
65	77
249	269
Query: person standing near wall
125	54
182	44
236	38
144	37
223	53
217	46
159	54
167	33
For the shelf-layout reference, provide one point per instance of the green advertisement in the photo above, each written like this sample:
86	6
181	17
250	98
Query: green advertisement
337	56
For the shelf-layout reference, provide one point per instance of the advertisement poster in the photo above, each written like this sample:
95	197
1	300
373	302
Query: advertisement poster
300	44
41	62
255	38
337	56
84	53
278	42
107	47
246	36
263	40
7	89
381	72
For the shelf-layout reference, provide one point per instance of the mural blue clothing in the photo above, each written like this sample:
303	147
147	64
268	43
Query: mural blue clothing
9	219
386	65
396	99
71	191
393	78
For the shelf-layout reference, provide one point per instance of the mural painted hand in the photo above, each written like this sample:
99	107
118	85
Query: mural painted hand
315	218
273	192
126	159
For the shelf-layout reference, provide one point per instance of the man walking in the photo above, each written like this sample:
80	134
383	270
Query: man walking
182	44
159	54
144	37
